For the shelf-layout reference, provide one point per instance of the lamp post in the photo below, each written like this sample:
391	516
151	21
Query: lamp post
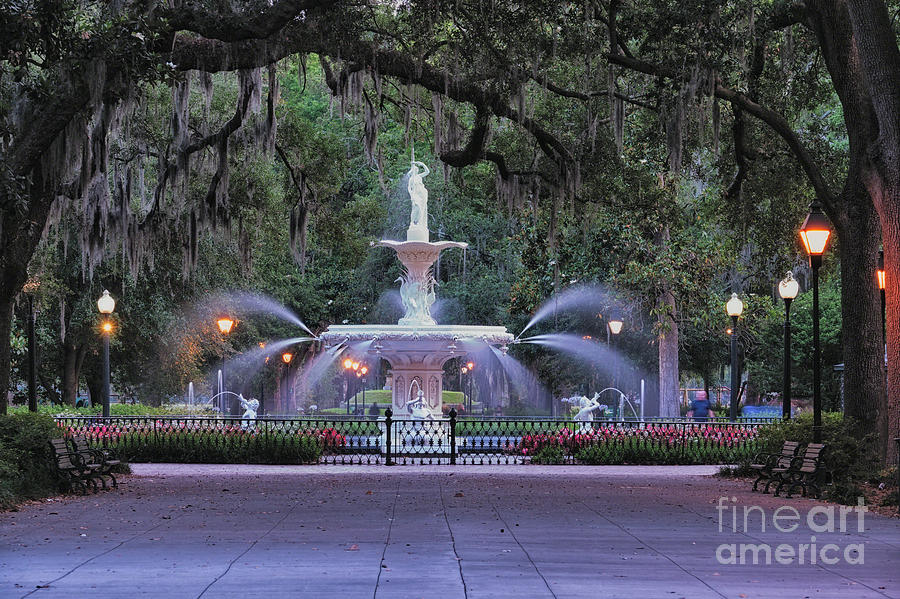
787	289
106	304
262	384
225	324
881	282
814	234
470	367
348	369
613	325
286	357
734	307
360	374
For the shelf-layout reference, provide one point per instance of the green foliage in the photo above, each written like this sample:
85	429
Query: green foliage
26	463
549	455
232	446
849	460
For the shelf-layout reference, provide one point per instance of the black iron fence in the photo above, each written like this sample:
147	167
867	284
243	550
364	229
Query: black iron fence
386	440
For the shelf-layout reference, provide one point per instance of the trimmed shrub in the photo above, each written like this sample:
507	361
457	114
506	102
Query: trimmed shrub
26	463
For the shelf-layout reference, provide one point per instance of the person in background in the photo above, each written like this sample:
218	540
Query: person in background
701	407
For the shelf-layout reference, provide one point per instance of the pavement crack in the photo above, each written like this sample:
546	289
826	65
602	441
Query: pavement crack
387	540
462	578
99	555
525	551
251	546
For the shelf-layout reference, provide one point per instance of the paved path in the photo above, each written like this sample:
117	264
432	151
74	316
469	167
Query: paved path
177	531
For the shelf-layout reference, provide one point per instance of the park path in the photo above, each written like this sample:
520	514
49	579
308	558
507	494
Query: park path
512	531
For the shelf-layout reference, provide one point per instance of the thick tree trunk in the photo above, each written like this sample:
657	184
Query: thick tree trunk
70	373
864	377
669	387
879	57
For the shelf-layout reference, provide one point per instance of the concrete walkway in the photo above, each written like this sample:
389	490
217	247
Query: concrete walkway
513	531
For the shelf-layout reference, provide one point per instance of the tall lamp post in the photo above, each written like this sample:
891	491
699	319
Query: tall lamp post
360	374
106	304
881	281
734	307
815	233
286	357
224	325
613	325
787	289
30	288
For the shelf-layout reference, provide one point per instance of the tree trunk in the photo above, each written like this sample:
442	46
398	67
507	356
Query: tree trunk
864	377
669	388
70	372
6	314
879	57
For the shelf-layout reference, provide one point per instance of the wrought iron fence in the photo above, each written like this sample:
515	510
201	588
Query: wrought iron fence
386	440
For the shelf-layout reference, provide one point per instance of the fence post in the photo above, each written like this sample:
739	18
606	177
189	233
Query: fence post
388	461
452	415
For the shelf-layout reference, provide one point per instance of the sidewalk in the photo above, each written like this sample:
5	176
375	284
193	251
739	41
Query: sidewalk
465	531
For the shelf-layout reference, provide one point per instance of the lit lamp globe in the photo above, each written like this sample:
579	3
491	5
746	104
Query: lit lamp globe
106	304
348	364
286	357
734	306
615	324
225	324
788	288
881	279
814	234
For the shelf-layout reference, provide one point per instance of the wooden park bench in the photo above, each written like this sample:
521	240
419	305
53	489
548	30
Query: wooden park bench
73	470
806	471
764	463
104	457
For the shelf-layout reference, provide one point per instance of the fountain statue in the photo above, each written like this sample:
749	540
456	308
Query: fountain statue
417	347
248	419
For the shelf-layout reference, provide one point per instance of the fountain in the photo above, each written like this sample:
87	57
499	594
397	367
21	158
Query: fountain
417	347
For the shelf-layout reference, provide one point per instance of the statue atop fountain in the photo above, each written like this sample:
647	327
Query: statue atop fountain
417	347
418	195
248	419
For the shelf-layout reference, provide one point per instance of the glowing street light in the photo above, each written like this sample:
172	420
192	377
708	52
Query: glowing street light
814	234
106	304
225	324
788	289
734	307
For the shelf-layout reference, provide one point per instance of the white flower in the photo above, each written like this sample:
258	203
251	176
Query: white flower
171	65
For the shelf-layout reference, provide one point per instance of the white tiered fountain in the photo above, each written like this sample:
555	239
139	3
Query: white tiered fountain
417	347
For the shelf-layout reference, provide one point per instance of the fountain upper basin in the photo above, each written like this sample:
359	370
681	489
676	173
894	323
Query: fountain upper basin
416	337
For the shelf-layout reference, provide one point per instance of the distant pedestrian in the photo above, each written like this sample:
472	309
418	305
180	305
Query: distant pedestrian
700	407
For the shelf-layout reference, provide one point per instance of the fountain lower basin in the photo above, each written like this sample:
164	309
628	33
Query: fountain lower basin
417	354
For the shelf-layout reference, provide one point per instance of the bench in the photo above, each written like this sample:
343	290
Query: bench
764	463
104	457
806	471
74	471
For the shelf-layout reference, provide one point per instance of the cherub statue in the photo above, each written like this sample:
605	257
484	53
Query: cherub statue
588	406
248	419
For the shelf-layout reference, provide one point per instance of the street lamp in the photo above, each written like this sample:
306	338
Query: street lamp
262	383
31	288
815	233
360	374
286	357
734	307
881	282
224	323
349	366
467	369
106	304
787	289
